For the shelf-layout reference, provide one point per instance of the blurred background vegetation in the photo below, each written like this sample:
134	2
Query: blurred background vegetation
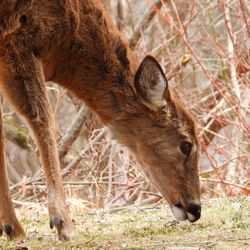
204	49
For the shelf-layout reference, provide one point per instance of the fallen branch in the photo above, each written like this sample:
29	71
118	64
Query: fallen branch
72	132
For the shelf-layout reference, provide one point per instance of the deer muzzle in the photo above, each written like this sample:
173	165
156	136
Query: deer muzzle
192	213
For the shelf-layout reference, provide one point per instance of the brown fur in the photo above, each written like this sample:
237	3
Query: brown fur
74	44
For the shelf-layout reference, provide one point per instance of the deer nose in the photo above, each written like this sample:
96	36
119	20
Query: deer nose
193	212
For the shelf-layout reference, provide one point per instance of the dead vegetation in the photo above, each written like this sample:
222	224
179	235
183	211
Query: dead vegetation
225	224
204	48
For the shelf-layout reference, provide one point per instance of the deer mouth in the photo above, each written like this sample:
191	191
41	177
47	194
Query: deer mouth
192	214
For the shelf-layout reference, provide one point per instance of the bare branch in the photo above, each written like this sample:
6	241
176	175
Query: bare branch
146	20
72	132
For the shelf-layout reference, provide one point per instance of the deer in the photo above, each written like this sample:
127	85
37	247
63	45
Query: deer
75	44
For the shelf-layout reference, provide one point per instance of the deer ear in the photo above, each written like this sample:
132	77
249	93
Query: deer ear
151	84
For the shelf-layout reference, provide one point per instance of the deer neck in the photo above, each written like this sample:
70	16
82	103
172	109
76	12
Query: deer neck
107	79
112	96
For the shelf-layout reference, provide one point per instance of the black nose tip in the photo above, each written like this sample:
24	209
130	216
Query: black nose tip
195	211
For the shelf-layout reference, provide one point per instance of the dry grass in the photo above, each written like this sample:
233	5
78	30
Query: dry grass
225	224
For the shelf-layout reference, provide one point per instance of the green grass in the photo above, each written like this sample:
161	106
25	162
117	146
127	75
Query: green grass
225	224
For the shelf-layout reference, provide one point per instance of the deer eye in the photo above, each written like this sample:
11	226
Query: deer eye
186	147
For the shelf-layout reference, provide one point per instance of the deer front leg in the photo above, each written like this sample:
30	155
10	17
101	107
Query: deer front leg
23	84
9	225
58	210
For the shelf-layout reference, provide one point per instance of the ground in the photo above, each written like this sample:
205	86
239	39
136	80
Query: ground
225	224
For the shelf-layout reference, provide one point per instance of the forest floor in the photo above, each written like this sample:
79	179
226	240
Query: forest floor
225	224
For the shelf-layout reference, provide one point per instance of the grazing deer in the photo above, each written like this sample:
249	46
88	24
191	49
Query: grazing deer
75	44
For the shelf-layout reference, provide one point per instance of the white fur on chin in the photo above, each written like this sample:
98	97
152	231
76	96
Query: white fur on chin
179	213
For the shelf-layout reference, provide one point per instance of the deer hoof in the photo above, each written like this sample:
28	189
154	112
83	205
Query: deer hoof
11	231
8	230
65	232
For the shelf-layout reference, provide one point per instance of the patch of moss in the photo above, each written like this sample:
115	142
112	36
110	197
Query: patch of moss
16	134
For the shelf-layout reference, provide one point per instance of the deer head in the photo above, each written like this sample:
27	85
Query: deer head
162	136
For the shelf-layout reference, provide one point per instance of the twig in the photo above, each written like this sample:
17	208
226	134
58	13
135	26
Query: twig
72	132
245	189
79	183
231	48
75	162
207	74
244	10
143	25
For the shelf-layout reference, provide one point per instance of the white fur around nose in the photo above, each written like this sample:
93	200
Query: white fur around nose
190	217
179	213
